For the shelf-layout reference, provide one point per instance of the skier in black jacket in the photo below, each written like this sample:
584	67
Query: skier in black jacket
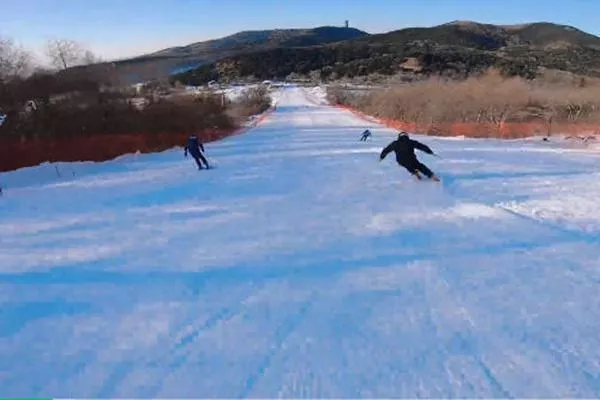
365	135
195	148
404	147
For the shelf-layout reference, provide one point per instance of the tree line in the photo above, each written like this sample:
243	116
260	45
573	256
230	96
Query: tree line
80	95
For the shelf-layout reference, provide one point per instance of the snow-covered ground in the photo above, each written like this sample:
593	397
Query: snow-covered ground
302	267
232	92
316	95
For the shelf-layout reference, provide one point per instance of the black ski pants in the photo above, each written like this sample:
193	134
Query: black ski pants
414	166
198	157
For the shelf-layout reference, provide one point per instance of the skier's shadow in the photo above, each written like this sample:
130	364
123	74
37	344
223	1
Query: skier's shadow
511	175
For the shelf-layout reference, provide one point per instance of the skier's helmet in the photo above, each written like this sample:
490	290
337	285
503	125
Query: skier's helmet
403	135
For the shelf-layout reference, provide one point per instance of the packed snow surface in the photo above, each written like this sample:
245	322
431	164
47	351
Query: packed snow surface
302	267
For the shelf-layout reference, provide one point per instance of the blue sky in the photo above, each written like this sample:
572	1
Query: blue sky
120	28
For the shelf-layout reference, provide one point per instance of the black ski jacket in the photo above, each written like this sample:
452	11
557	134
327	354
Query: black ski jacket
404	147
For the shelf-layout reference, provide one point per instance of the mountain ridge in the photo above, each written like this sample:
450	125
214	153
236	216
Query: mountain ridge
164	62
267	37
457	48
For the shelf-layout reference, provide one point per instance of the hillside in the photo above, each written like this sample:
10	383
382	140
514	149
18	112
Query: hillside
300	267
456	49
175	59
248	41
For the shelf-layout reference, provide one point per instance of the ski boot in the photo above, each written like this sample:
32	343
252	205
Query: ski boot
417	176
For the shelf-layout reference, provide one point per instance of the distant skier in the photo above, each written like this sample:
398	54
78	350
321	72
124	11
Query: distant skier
404	147
365	135
196	149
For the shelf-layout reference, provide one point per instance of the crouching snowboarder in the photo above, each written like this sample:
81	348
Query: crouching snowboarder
195	148
365	135
404	147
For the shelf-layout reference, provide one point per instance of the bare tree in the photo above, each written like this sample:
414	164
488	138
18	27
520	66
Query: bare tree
315	75
14	61
65	53
90	58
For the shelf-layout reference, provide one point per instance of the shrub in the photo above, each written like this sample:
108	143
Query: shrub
46	107
252	101
491	99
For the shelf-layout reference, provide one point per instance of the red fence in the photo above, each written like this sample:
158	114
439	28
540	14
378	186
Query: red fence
472	129
16	154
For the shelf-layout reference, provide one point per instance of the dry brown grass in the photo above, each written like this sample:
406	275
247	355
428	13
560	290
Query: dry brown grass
90	114
103	131
489	99
77	120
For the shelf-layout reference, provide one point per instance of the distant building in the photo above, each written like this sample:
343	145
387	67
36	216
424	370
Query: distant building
347	24
138	88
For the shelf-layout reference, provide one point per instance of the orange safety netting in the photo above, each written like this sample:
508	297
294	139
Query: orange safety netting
15	153
508	130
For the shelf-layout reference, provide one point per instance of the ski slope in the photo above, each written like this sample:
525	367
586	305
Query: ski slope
302	267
